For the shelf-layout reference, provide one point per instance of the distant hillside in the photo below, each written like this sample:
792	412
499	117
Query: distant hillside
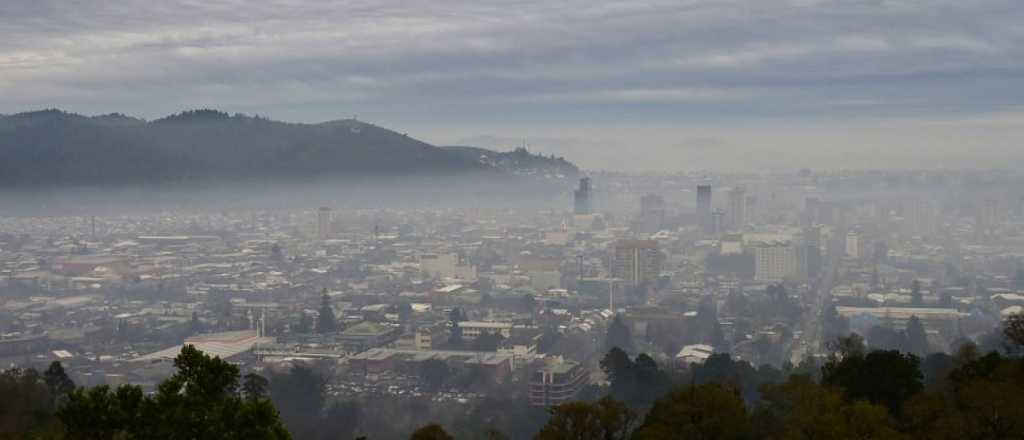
520	161
52	147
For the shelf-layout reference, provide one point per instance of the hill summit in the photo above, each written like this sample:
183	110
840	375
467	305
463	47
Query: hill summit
55	148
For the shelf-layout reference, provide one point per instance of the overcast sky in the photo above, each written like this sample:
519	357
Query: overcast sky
660	85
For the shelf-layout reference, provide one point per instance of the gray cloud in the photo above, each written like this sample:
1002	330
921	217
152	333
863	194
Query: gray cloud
456	64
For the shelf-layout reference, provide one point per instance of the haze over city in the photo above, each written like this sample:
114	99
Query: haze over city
638	220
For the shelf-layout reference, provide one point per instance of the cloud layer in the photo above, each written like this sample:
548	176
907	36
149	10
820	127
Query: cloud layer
451	68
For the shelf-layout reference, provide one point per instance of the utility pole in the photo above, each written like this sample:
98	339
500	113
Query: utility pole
611	296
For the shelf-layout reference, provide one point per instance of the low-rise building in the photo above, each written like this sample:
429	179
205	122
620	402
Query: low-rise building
556	383
495	365
472	329
694	354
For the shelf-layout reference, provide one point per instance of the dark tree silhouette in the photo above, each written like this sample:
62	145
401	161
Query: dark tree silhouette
254	386
1013	328
199	401
709	411
917	338
888	378
619	336
432	431
606	419
57	381
299	395
326	321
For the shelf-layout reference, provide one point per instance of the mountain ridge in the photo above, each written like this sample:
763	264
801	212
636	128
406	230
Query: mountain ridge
53	147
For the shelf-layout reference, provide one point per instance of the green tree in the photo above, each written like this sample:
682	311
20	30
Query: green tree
1013	329
850	345
57	381
708	411
606	419
887	378
802	409
620	371
432	431
983	398
299	395
935	367
637	382
26	408
254	386
917	338
102	413
200	401
341	420
720	368
326	321
619	336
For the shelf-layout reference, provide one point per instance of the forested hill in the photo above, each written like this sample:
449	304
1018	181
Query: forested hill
55	148
520	161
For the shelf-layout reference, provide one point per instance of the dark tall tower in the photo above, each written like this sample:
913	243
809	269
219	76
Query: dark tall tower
652	213
704	207
737	212
582	197
812	251
323	223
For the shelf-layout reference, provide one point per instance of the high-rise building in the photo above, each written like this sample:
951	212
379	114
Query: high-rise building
704	208
717	226
582	197
987	220
323	223
737	207
919	217
811	207
811	255
853	245
637	262
774	262
652	213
